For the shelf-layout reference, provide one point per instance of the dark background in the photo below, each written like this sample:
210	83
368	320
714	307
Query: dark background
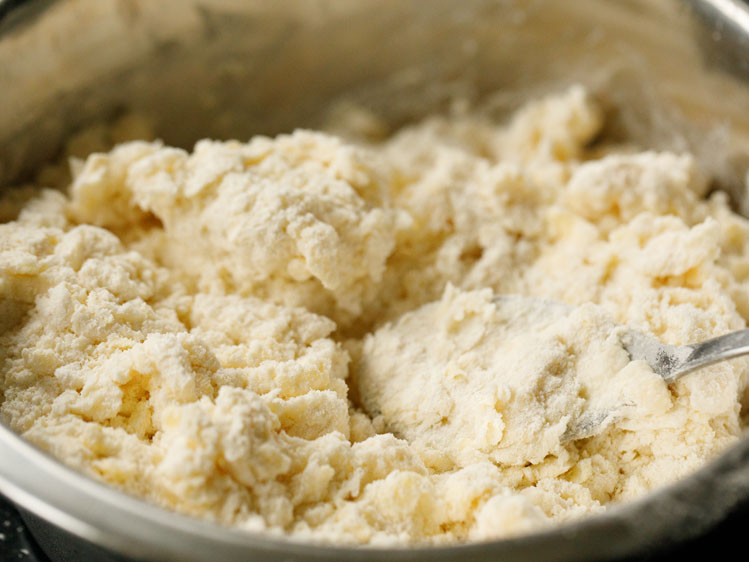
17	545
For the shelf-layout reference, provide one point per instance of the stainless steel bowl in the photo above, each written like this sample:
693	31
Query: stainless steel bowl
670	74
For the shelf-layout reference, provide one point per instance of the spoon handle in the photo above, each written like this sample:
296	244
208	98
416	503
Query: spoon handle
733	344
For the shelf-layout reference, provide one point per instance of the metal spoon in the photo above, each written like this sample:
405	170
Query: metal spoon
674	361
671	362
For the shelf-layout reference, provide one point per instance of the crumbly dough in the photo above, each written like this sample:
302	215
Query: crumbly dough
507	377
317	337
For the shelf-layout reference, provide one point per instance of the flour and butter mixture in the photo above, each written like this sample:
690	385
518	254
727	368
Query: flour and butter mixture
327	337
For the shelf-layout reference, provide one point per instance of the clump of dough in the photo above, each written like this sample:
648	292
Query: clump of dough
301	214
